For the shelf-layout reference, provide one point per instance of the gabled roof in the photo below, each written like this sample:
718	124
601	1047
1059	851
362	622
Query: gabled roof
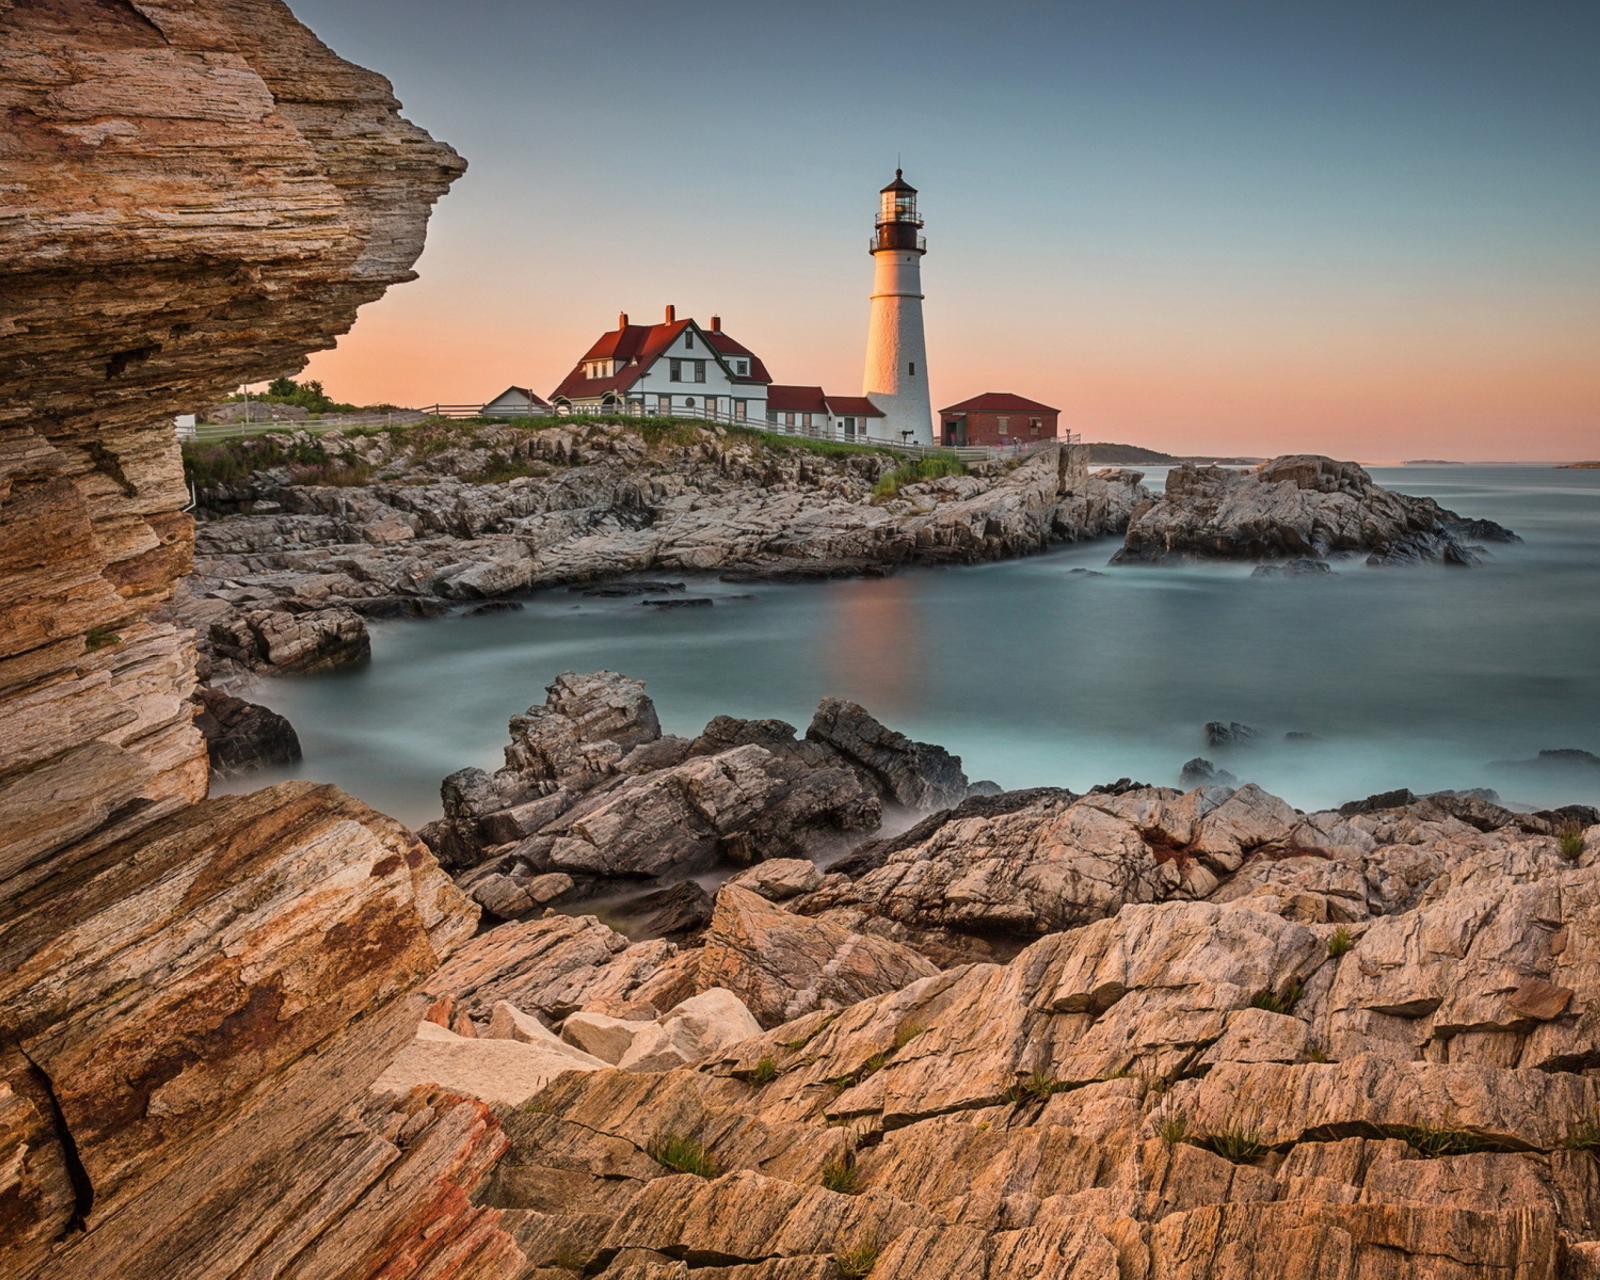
726	346
796	399
521	391
999	402
639	346
854	406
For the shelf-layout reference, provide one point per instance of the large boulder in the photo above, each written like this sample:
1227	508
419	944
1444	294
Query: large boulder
1295	507
917	775
242	736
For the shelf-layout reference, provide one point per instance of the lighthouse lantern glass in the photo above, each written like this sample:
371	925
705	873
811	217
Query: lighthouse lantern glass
898	206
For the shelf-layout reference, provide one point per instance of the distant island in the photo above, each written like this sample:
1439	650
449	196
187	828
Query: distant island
1123	454
1565	466
1432	462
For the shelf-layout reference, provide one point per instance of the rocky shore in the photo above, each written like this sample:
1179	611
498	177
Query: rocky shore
1139	1034
291	556
1135	1032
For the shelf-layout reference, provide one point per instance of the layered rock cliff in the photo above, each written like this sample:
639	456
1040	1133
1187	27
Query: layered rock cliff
195	994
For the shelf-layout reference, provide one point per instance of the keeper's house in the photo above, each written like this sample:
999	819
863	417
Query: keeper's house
997	418
665	369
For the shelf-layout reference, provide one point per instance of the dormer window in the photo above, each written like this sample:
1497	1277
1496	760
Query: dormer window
598	368
741	368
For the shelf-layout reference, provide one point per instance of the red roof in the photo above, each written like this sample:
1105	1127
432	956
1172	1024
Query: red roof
999	402
641	345
638	344
796	400
854	406
726	346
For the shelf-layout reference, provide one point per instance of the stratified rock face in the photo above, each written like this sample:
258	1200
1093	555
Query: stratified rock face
196	196
195	996
1298	507
1216	1089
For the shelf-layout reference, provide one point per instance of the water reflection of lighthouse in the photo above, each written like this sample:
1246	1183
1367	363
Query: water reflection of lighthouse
874	651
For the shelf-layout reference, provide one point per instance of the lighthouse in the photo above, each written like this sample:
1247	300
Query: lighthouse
896	378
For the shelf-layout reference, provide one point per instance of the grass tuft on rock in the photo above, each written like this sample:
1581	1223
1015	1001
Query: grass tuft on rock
1341	942
1036	1088
1569	839
1434	1143
682	1155
1583	1136
906	1033
841	1176
858	1261
1240	1146
764	1072
1272	1002
1173	1128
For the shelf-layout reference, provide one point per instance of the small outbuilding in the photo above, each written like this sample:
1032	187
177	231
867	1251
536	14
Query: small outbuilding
517	402
997	418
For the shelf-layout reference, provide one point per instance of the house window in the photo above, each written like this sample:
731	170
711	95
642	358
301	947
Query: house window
688	342
772	417
664	405
912	368
788	419
1004	425
1033	426
699	370
741	409
675	371
742	368
689	403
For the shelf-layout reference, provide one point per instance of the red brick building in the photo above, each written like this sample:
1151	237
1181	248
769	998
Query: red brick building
997	417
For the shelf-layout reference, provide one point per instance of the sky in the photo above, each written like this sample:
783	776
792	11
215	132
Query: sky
1218	226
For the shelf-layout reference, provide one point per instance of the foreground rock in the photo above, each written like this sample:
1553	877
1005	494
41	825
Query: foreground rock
242	736
592	792
1301	508
194	995
455	512
1214	1088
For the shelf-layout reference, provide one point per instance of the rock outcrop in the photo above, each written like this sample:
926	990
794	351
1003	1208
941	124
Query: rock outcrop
592	791
1212	1086
404	522
1298	508
194	995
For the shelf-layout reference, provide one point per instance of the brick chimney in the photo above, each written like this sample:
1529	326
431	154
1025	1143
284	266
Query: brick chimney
622	319
672	313
716	324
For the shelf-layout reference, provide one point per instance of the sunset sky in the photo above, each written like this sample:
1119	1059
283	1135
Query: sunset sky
1365	229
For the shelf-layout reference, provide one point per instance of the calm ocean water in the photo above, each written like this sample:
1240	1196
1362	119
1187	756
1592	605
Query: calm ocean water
1035	674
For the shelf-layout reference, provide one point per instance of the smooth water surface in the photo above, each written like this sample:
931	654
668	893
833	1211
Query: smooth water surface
1035	674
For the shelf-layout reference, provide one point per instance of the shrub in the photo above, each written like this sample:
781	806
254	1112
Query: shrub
1238	1145
877	1062
1341	941
841	1176
1272	1002
1434	1143
682	1155
859	1261
915	472
1569	839
764	1072
1316	1053
570	1259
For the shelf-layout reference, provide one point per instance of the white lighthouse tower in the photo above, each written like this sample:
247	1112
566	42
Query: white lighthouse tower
896	377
